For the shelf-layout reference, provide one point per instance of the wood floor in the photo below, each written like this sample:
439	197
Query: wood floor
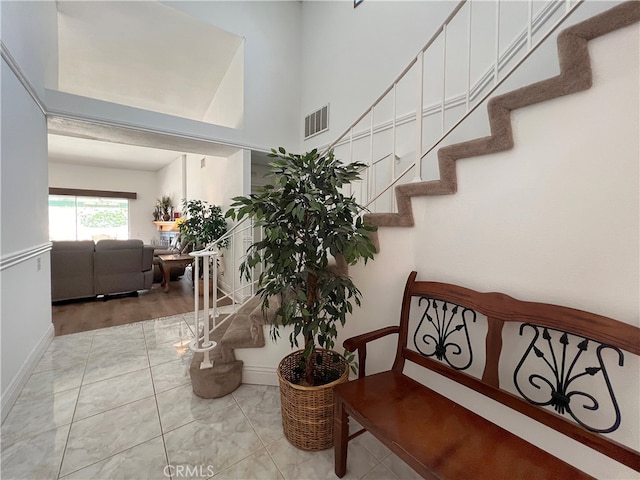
89	314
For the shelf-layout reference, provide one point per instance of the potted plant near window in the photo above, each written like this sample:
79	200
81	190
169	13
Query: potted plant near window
201	225
307	219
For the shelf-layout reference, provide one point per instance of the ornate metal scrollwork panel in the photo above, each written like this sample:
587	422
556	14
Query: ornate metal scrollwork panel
555	370
442	332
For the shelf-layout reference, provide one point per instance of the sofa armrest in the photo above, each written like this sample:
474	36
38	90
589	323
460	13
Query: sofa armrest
72	270
147	257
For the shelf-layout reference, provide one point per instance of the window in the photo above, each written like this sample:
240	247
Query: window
76	217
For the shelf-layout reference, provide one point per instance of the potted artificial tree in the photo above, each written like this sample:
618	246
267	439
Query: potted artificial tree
202	223
200	226
307	219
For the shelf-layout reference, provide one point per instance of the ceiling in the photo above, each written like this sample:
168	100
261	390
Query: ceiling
142	54
83	151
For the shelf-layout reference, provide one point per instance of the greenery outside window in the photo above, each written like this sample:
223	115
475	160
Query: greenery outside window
73	217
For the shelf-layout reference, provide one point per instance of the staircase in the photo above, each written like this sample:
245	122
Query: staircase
575	76
242	329
214	370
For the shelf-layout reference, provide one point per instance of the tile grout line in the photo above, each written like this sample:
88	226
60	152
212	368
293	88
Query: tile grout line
146	336
264	445
88	349
378	461
155	399
110	409
75	407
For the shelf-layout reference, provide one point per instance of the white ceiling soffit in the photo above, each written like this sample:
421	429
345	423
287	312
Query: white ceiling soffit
85	143
83	151
143	54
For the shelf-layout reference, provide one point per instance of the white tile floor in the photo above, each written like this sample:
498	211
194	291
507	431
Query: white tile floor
117	403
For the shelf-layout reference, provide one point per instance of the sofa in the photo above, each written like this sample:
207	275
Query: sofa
81	269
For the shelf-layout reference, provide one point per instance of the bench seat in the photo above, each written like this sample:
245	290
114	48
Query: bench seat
440	438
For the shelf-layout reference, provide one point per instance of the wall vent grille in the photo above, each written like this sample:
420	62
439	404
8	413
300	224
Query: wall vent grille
316	122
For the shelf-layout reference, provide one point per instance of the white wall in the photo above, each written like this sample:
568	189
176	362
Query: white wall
228	180
30	33
271	79
227	106
65	175
272	52
25	294
556	220
169	181
218	180
231	181
201	178
352	55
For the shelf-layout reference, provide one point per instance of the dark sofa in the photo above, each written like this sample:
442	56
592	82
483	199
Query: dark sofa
82	269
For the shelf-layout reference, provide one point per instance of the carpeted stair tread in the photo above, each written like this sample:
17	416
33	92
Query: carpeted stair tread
221	353
243	333
258	316
215	382
248	306
575	76
226	374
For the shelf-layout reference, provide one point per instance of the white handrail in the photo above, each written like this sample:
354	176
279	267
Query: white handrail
206	259
392	184
406	70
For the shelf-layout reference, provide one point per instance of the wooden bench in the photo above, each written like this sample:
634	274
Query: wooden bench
560	355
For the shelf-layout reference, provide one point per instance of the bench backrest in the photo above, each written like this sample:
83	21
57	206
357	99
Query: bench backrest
561	359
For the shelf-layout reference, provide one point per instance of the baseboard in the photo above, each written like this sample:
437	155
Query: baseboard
12	392
255	375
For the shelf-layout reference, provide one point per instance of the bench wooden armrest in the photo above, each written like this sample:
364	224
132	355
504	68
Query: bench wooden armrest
359	342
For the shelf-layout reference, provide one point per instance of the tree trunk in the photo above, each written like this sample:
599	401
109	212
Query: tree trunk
312	286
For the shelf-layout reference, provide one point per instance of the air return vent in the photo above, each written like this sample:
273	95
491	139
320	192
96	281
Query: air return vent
316	122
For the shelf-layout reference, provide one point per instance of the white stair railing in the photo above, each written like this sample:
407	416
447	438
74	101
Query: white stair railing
234	243
358	140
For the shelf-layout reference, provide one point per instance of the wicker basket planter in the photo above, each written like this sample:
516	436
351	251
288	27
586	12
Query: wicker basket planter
307	412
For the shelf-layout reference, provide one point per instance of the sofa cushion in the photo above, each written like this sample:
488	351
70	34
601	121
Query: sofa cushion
119	266
72	269
109	244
